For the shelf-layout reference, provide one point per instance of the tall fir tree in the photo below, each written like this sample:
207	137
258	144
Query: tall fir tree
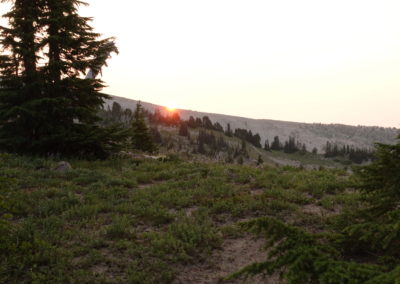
51	109
19	85
141	138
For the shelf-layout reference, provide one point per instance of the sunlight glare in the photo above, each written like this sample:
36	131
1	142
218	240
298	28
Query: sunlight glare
171	107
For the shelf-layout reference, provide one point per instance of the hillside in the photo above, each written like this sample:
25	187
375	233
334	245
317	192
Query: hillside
312	134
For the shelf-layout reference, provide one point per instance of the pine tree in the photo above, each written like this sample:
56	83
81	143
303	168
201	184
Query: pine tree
276	144
266	146
191	123
19	75
141	139
218	127
207	123
51	109
199	122
228	131
364	248
183	130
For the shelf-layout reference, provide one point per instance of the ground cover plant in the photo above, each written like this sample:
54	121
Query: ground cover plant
119	221
360	245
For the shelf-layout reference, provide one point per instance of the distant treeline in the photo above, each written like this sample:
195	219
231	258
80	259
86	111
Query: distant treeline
356	155
117	115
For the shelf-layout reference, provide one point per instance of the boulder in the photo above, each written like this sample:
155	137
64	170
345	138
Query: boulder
62	167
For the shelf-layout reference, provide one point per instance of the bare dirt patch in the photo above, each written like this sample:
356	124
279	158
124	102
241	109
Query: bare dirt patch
257	191
313	209
320	211
234	255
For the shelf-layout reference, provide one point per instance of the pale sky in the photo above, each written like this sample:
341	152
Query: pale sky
306	61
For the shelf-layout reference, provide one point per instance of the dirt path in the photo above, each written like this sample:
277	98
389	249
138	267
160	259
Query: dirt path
234	255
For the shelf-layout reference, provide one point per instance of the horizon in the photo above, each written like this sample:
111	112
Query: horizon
311	62
167	108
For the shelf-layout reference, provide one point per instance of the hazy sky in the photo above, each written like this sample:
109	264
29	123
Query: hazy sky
308	61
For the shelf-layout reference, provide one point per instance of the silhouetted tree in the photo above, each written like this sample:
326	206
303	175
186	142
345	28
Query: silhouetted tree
266	146
228	131
49	108
276	144
141	139
199	123
290	146
116	112
218	127
207	123
191	123
183	130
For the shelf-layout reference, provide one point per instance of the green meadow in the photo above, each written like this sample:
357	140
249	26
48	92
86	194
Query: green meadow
116	221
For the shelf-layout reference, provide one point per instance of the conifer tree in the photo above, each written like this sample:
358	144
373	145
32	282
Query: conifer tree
183	129
361	247
207	123
191	123
266	146
18	66
51	109
218	127
276	144
141	139
228	131
199	122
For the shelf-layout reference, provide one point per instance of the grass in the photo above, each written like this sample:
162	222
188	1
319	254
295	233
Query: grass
117	222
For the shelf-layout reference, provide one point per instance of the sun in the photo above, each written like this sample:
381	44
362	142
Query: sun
171	107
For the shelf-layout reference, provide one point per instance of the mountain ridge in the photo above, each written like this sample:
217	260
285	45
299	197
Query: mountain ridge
312	134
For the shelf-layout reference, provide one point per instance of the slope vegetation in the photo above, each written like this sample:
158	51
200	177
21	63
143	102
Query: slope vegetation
124	221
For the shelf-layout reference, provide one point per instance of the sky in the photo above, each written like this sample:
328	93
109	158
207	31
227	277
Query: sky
306	61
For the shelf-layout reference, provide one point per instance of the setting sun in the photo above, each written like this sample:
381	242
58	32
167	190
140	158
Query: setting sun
170	107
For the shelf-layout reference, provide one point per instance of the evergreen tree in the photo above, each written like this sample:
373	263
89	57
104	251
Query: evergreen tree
276	144
207	123
228	131
183	129
256	140
19	75
50	109
191	123
116	112
141	139
290	146
127	116
174	119
218	127
266	146
199	123
362	248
